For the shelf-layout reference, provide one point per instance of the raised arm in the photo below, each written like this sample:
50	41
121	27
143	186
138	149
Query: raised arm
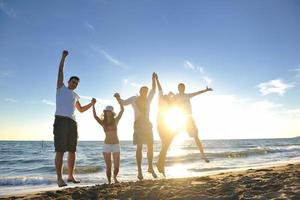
158	85
117	96
60	78
154	75
199	92
153	89
125	102
96	117
82	109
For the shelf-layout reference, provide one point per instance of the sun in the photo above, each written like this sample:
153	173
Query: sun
175	119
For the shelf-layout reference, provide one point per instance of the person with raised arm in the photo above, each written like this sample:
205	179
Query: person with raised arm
166	134
142	126
182	100
111	147
65	125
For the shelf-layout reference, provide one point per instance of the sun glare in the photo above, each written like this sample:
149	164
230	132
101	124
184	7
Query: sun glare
175	119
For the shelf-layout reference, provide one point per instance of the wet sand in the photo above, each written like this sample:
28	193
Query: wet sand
279	182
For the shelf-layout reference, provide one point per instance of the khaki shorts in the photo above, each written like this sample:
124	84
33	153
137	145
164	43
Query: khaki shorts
142	132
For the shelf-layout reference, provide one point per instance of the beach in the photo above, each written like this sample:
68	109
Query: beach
141	99
275	182
27	166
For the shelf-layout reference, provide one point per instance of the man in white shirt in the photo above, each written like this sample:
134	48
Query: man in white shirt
65	126
182	100
142	126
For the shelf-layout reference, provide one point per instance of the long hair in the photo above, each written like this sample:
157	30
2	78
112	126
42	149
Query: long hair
107	120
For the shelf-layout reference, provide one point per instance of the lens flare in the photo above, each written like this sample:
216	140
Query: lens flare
175	119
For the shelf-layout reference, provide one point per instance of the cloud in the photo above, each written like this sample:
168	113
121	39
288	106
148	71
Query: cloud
11	100
89	26
131	83
189	65
275	86
8	11
48	102
110	58
230	116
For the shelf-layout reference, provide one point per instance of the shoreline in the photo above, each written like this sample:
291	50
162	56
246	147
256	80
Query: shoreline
278	181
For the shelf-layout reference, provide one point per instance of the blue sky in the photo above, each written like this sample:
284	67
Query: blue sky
248	51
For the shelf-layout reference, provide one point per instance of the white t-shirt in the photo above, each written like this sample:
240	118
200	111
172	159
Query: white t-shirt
184	102
65	102
132	101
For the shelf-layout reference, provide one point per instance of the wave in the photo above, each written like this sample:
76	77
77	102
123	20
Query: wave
24	161
242	146
208	169
43	180
85	169
20	181
40	180
241	154
51	169
259	151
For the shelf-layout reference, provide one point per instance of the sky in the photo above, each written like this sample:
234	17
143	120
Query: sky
247	51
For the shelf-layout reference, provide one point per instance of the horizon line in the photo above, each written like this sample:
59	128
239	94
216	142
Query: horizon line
17	140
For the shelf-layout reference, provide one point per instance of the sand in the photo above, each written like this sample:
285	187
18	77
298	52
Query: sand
278	182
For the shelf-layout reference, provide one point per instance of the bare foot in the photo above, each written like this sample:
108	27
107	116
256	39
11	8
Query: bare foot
152	172
158	166
140	176
61	183
116	180
163	172
73	180
205	159
160	169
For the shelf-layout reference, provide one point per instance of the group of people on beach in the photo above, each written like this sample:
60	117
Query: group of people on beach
66	135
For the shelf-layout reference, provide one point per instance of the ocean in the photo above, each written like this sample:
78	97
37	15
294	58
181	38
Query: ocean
29	165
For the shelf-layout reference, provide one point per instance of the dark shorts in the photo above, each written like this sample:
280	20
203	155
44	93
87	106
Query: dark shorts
142	132
65	134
